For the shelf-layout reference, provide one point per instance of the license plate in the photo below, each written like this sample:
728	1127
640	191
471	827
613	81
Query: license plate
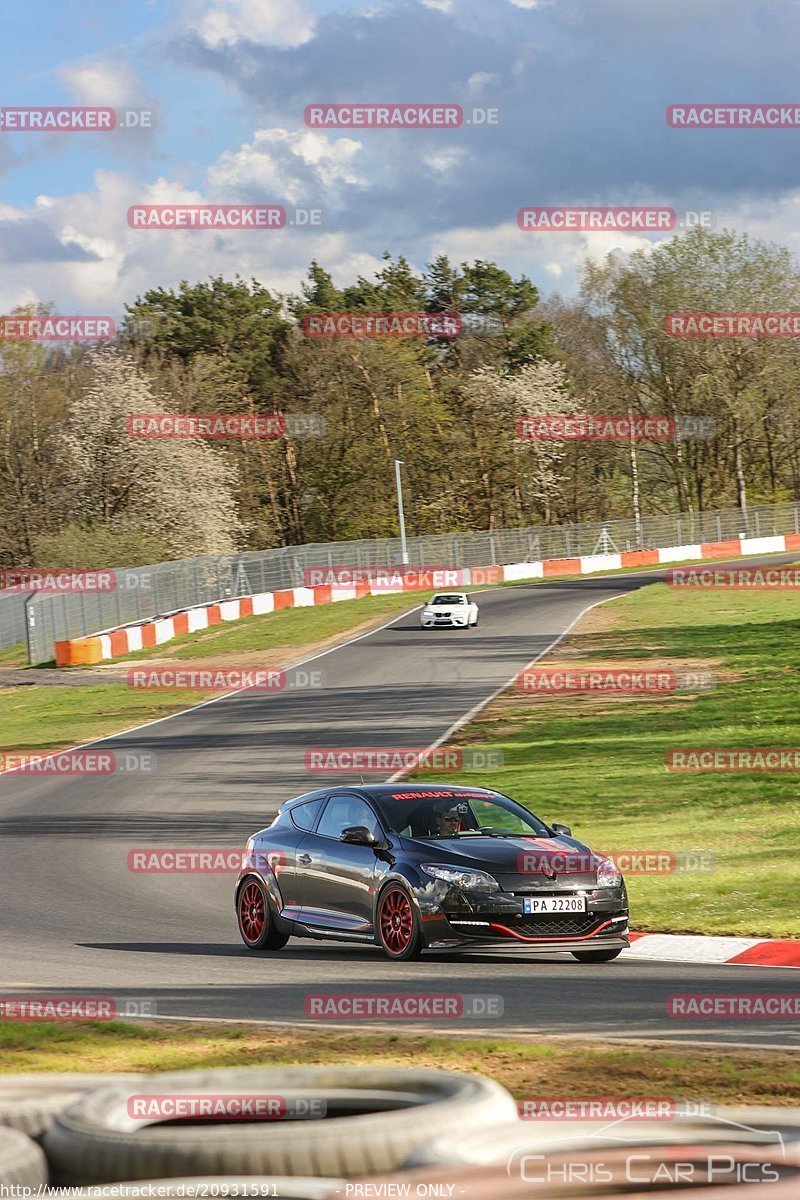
553	904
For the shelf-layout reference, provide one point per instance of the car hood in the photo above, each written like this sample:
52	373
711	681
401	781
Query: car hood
518	863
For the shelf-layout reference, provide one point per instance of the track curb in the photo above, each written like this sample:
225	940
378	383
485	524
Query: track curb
713	950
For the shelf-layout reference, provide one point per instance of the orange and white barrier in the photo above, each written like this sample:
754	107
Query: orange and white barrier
114	643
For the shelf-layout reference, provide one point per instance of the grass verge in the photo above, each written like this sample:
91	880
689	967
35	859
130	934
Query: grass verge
598	761
291	629
38	719
528	1069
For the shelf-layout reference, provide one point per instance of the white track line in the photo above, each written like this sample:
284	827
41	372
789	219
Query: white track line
473	712
216	699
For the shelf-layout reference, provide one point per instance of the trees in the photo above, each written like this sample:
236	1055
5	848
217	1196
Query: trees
71	480
745	386
176	490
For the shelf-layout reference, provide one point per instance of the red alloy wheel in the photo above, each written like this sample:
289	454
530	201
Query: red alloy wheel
252	912
396	921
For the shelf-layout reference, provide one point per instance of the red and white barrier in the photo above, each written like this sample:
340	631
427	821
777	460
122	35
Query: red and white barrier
699	948
117	642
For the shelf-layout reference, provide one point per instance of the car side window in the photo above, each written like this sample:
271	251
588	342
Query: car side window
304	815
344	811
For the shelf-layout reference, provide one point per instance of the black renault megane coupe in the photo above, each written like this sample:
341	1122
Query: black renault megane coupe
410	866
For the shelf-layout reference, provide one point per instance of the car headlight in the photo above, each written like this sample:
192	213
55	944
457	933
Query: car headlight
608	874
473	881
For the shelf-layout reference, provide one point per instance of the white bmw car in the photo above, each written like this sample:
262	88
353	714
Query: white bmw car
451	609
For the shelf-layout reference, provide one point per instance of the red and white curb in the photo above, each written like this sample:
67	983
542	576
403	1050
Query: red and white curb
114	643
698	948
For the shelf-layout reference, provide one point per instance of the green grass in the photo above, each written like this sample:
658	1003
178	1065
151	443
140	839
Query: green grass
292	628
14	656
528	1068
598	763
37	719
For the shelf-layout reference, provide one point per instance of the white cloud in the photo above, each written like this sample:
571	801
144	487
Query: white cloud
102	81
447	159
477	82
265	22
442	5
288	164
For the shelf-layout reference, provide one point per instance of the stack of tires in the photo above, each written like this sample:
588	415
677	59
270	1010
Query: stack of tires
416	1133
76	1130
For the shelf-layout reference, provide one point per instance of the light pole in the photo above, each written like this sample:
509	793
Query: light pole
398	462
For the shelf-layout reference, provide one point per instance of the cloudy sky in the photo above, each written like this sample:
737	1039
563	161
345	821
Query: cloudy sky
581	86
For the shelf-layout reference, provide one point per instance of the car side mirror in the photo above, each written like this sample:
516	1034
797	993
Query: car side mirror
358	835
564	830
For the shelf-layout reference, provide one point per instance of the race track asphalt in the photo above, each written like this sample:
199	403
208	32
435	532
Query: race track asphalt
74	919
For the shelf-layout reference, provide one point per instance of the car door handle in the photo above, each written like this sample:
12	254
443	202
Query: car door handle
305	859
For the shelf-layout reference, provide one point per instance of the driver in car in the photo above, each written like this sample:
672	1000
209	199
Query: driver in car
446	820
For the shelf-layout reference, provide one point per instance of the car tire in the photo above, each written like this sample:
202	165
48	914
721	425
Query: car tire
29	1103
596	956
375	1118
255	918
22	1163
397	924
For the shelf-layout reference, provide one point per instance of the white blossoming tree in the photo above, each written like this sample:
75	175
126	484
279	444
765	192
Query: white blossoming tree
178	490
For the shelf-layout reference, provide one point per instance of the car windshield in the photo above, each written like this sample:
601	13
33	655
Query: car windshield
449	600
442	813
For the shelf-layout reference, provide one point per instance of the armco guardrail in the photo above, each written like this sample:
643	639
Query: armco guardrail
142	593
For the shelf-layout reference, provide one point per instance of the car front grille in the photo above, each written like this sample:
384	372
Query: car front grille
564	925
559	925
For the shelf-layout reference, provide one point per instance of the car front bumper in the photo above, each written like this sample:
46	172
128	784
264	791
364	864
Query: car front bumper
455	917
443	622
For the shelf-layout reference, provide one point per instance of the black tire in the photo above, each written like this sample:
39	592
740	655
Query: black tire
22	1163
397	924
375	1118
590	956
30	1102
255	918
